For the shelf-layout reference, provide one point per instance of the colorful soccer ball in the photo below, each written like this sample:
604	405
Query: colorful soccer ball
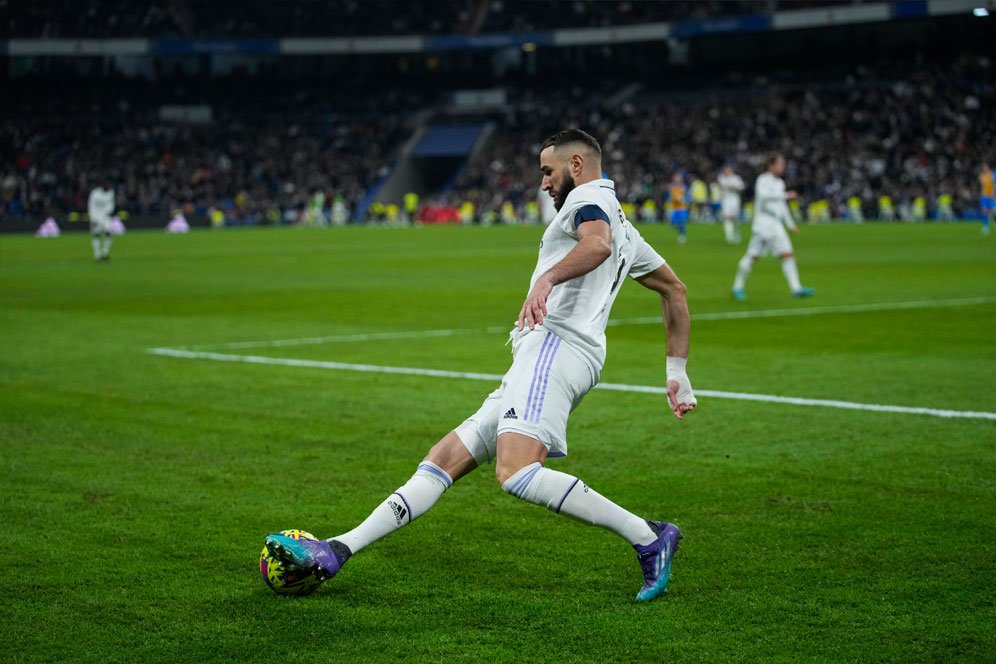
283	581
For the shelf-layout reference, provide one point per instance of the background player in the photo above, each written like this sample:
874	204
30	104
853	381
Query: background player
558	350
771	218
100	207
987	197
676	197
730	185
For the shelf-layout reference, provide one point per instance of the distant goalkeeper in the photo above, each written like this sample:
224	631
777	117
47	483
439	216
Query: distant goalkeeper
558	349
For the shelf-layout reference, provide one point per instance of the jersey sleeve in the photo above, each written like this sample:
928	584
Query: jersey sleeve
645	258
581	212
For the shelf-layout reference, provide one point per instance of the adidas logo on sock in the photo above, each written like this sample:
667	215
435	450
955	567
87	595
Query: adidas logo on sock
399	511
510	415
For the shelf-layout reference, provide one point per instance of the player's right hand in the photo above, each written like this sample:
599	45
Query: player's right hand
534	308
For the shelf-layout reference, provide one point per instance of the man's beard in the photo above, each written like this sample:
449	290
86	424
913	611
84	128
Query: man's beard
560	195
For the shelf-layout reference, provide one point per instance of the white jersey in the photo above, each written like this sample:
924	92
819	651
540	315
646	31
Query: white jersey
770	208
578	310
100	205
730	186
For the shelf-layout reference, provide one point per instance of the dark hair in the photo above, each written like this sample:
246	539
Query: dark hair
771	159
568	136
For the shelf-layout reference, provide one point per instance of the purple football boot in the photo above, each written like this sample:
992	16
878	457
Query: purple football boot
655	559
323	558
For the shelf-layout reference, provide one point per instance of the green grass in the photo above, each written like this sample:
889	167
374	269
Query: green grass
137	489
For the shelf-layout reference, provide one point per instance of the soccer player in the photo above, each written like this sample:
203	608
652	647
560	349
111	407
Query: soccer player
100	207
679	205
771	218
558	349
987	197
731	185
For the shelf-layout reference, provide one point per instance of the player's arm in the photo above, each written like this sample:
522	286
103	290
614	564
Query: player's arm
777	191
593	247
677	324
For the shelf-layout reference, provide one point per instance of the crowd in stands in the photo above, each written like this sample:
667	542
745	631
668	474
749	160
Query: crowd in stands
309	18
250	167
870	134
915	132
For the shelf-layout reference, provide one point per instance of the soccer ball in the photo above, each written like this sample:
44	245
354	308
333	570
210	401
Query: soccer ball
283	581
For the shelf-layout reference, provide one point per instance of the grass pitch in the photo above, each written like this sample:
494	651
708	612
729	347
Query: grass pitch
137	489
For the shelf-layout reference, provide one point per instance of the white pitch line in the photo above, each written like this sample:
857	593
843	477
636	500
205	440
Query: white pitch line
815	311
618	387
648	320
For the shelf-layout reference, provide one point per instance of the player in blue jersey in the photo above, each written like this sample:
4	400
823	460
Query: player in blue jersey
558	349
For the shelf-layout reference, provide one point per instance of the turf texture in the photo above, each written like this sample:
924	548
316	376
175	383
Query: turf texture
137	489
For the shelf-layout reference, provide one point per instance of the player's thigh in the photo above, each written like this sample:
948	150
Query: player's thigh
548	379
758	246
780	244
452	456
478	432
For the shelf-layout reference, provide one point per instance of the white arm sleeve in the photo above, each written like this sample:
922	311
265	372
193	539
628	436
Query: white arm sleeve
645	258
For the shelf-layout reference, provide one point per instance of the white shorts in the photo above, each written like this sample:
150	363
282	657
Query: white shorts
100	225
772	243
547	381
731	209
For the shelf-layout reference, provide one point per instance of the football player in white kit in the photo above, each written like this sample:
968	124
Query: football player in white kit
730	185
100	207
771	218
558	348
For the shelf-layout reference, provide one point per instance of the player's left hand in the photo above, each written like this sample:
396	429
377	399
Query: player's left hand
680	396
534	308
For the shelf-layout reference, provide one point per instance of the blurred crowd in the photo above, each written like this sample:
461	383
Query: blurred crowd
918	132
308	18
254	169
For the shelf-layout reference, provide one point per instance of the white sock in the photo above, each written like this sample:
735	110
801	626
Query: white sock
566	494
107	246
791	273
401	508
730	230
743	271
95	243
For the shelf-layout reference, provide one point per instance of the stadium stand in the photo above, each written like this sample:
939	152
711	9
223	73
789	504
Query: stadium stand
264	18
910	118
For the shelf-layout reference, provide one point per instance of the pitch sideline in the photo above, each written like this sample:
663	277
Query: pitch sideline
646	389
620	322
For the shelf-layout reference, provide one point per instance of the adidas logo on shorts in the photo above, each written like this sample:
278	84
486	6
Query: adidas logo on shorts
510	415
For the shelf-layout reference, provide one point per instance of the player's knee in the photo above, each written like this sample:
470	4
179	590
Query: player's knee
787	256
516	482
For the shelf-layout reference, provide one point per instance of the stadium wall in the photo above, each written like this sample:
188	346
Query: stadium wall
649	32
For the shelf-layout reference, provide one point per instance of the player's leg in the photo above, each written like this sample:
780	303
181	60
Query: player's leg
781	246
105	249
755	249
542	389
730	229
682	223
95	240
447	461
520	472
458	453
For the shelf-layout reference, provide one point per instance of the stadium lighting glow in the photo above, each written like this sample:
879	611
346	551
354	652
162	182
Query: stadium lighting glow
529	47
981	12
